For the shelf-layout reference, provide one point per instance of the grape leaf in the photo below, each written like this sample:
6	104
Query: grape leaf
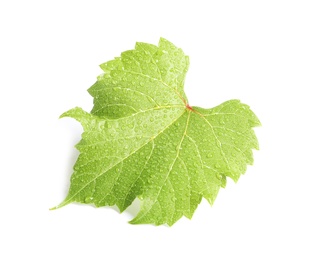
142	139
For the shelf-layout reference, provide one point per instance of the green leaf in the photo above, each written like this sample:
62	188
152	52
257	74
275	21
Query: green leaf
143	140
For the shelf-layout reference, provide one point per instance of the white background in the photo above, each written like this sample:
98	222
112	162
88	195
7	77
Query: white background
255	51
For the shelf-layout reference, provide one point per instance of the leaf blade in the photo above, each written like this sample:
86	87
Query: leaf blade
142	139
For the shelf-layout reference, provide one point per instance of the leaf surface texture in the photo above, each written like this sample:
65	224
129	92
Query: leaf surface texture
143	140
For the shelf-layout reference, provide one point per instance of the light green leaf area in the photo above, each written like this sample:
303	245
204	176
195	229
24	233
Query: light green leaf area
143	140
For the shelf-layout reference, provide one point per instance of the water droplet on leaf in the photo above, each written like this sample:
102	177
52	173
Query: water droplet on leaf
88	199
